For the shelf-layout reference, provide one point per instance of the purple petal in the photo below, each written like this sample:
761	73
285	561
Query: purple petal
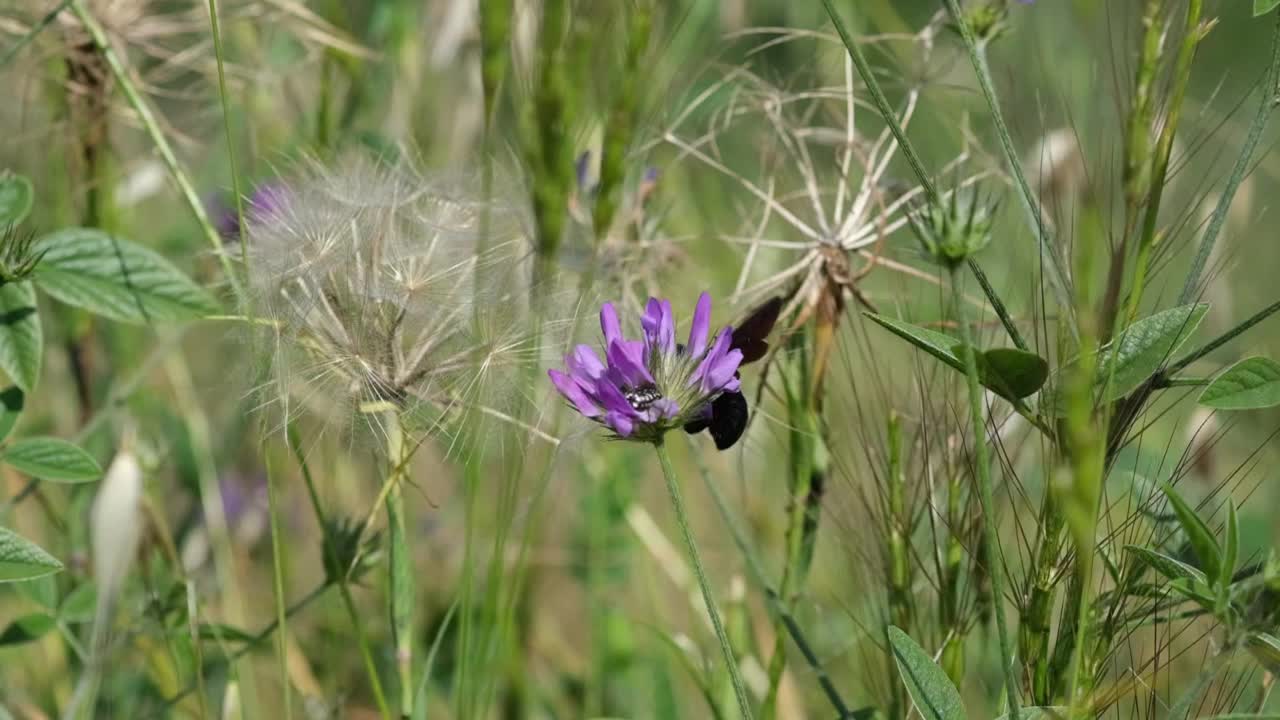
621	424
659	326
626	358
614	401
718	367
609	324
584	362
700	326
664	409
574	393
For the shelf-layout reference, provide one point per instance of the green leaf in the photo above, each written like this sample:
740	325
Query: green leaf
1265	648
1262	7
80	604
42	591
51	459
1250	384
1013	374
935	343
27	629
224	633
116	278
930	688
11	404
21	559
1021	373
1169	567
1145	347
1053	712
21	340
1202	541
16	196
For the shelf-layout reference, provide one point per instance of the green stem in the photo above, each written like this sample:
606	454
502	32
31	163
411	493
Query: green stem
35	30
152	126
249	645
277	557
1242	167
1223	339
755	568
995	564
340	576
216	31
400	566
682	519
886	111
1030	205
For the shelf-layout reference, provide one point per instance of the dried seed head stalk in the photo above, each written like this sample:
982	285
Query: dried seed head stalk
369	273
820	188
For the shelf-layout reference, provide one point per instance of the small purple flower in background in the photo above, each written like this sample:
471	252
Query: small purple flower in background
643	388
266	201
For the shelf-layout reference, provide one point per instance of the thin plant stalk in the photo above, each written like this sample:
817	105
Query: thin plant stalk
249	646
695	559
1164	147
803	422
1030	205
152	126
755	568
401	563
210	498
881	103
348	602
216	31
982	471
277	563
1266	106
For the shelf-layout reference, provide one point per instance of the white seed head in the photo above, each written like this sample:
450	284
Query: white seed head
380	287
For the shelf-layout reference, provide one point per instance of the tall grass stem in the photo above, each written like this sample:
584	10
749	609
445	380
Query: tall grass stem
695	559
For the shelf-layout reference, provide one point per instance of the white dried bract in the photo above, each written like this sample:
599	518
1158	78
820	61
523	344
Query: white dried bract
116	523
819	185
379	287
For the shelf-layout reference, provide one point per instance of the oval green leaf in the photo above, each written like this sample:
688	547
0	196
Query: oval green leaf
1144	347
117	279
27	628
1250	384
931	690
1020	372
51	459
1262	7
21	559
1008	372
21	339
16	196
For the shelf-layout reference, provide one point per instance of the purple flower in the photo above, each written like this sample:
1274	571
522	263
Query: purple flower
642	388
266	201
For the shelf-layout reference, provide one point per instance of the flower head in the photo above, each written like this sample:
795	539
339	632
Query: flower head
378	291
642	388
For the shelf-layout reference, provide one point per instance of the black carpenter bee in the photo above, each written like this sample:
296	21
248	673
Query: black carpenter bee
728	416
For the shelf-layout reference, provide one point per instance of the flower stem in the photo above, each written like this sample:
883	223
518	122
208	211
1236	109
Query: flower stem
400	565
277	555
995	566
340	576
673	488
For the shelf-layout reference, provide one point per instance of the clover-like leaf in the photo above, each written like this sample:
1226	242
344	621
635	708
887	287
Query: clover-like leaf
1250	384
21	559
